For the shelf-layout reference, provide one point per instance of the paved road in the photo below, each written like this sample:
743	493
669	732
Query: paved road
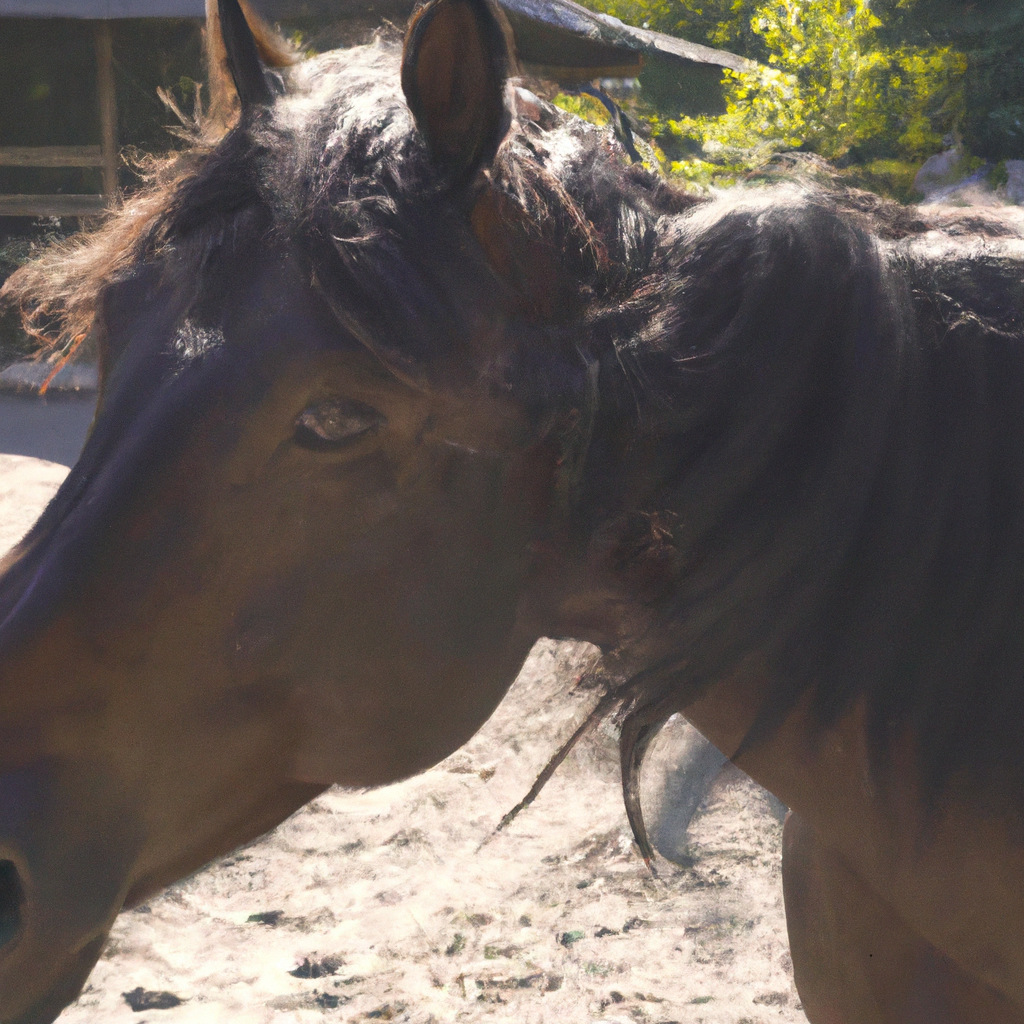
51	428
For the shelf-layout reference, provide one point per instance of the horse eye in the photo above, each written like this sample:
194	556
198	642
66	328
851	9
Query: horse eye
335	423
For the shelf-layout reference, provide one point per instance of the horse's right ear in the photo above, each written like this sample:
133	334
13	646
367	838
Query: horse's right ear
240	49
456	60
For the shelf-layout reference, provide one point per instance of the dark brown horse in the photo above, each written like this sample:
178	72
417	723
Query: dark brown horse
396	380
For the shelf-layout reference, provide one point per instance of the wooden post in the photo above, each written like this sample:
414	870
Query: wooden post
108	108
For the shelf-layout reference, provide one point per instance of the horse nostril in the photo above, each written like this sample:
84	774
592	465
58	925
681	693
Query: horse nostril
12	896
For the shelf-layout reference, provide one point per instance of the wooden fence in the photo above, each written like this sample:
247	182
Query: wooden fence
104	155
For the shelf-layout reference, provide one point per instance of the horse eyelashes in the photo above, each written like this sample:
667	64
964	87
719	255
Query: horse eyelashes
335	422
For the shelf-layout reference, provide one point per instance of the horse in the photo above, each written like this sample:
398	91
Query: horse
405	370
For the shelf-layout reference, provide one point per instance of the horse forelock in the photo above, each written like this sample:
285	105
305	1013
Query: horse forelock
338	158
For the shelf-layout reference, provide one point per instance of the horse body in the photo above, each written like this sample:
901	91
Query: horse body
393	385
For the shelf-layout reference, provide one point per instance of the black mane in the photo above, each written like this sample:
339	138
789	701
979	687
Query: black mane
838	418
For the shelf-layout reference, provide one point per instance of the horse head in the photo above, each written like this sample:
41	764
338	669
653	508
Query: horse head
322	512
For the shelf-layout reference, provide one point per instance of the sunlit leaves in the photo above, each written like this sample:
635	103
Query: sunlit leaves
827	82
830	86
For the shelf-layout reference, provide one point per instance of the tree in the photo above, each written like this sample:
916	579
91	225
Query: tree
991	36
830	81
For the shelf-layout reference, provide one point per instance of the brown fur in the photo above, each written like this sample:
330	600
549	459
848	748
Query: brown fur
274	51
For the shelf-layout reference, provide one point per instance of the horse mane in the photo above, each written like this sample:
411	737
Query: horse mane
829	390
367	175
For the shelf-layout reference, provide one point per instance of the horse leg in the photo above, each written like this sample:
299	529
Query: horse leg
857	962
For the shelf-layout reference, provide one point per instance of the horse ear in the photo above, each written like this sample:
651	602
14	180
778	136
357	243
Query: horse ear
457	57
240	48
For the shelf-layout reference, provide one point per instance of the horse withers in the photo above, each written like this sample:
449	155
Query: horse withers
395	380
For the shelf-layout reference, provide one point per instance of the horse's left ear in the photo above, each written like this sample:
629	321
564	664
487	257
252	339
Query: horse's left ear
241	51
457	58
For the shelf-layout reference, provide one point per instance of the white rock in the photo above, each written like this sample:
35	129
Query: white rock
939	171
1015	181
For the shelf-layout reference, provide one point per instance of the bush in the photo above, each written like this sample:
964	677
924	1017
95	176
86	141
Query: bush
830	87
827	83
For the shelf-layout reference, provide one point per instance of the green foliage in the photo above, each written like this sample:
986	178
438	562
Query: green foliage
583	106
991	37
832	79
829	86
1002	132
893	178
999	176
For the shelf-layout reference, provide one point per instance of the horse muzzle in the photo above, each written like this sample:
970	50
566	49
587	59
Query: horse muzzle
48	950
64	867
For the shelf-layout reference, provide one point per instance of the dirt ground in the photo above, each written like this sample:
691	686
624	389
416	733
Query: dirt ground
403	904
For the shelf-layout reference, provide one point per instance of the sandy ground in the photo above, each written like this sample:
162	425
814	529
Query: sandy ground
26	485
402	904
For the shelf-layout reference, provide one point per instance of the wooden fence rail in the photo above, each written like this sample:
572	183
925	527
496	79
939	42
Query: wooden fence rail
53	205
103	156
51	156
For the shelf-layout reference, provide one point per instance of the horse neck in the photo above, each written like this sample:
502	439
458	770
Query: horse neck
838	473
